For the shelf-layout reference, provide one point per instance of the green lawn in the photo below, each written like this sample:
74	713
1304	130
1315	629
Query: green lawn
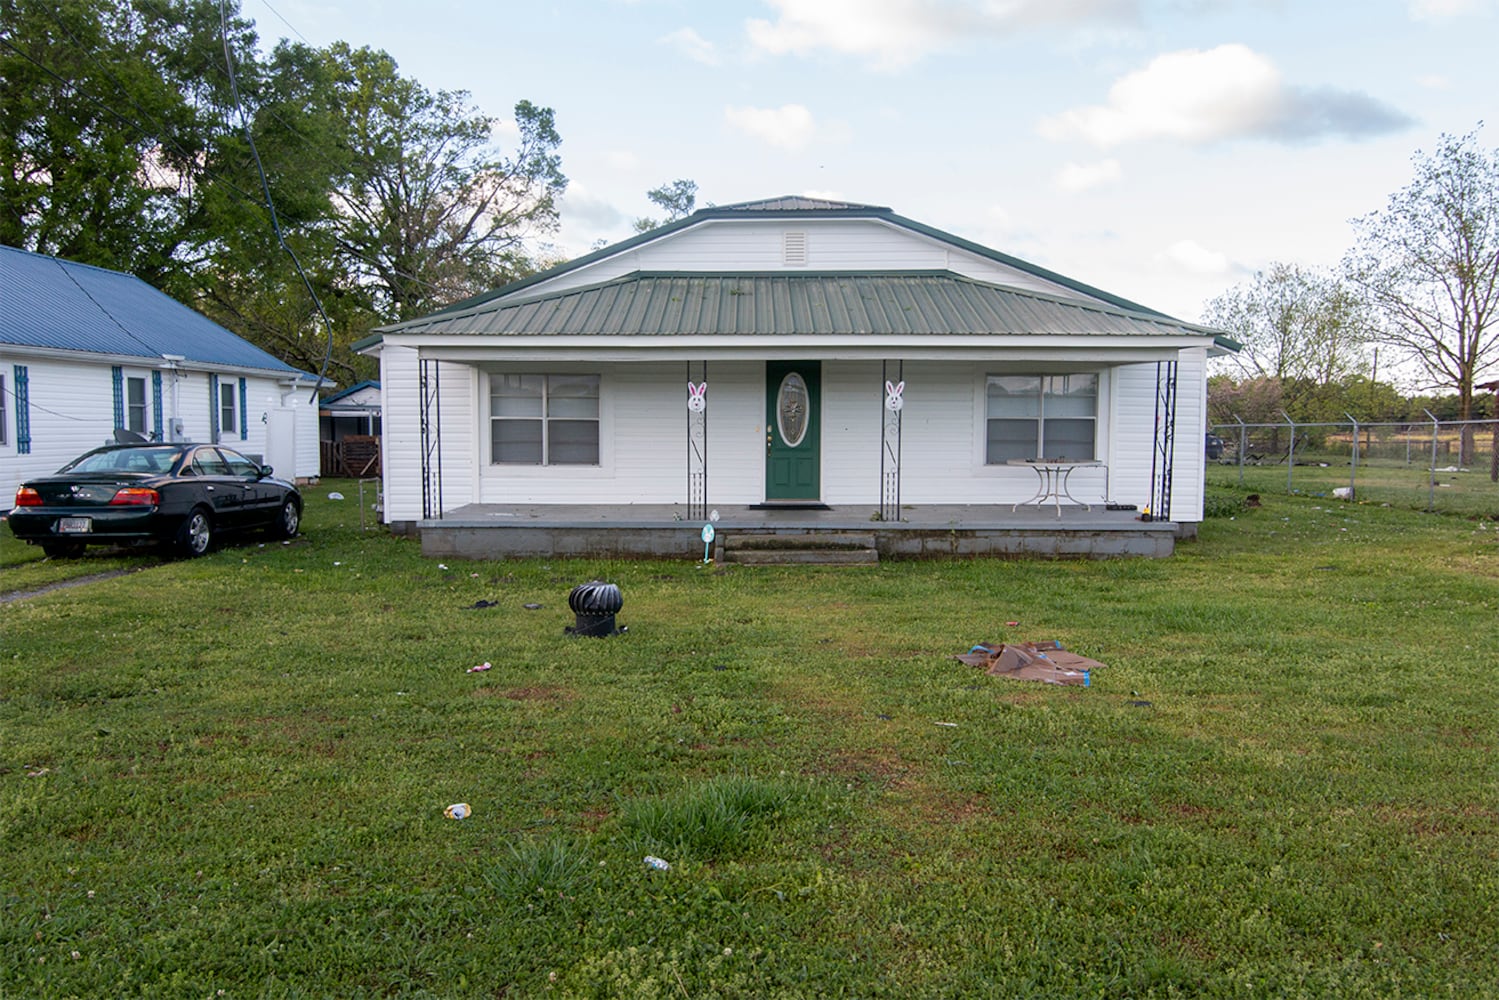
227	776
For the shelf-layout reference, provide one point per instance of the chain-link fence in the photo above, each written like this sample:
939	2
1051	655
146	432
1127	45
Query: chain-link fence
1448	466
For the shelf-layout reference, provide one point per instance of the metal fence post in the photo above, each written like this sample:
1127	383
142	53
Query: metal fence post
1243	445
1290	454
1353	473
1431	489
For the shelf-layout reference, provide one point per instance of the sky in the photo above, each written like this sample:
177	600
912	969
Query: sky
1161	150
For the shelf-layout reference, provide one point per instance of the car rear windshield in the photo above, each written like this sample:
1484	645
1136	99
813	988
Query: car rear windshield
147	460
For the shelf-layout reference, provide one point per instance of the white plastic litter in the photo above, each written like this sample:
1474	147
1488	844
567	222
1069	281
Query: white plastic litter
335	496
458	810
657	863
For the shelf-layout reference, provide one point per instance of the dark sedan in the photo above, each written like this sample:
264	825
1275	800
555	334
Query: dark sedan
182	495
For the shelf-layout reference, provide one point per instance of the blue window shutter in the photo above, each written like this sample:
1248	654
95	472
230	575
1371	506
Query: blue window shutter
23	411
213	409
118	376
244	412
156	406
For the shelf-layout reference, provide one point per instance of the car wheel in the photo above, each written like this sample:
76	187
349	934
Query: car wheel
63	550
196	533
289	520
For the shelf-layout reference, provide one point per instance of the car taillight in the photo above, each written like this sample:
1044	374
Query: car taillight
28	497
135	496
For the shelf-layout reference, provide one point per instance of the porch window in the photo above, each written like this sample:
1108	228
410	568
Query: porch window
544	419
1042	416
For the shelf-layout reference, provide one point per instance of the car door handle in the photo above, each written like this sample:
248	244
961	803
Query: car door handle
208	489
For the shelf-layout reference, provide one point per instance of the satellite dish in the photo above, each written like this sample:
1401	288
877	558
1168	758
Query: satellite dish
123	436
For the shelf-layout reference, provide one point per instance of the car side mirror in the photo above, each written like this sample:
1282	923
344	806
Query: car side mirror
265	470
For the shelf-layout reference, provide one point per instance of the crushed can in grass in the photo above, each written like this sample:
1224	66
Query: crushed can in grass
458	810
657	863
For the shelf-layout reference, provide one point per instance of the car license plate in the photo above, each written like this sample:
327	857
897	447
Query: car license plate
74	525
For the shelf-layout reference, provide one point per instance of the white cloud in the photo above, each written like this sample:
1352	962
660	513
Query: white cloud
895	33
1446	10
1434	81
1226	92
1194	257
1082	176
692	45
790	126
588	212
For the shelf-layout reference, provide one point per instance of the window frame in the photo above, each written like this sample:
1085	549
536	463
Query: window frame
4	411
545	418
1040	418
131	407
228	405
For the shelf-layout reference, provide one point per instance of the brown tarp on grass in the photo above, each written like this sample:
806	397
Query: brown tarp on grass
1045	661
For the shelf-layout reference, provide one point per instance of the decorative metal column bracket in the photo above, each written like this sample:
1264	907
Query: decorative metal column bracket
1165	440
697	443
890	427
430	393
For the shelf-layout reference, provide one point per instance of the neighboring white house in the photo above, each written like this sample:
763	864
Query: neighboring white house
840	344
85	351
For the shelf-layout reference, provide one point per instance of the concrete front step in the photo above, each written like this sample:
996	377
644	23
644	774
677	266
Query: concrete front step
801	547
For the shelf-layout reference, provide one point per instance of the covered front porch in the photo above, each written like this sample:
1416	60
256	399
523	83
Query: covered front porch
665	531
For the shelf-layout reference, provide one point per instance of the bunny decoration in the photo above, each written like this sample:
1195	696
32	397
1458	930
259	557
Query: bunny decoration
893	391
697	397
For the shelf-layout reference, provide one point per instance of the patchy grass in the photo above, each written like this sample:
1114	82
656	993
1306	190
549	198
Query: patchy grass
230	774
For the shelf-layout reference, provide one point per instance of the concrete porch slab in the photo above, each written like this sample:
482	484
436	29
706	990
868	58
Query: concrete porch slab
939	531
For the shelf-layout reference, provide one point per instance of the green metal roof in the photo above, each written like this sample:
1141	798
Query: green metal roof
798	208
782	304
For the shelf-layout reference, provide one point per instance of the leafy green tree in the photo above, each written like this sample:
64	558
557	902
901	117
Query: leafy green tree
428	210
677	198
108	112
1429	262
1295	324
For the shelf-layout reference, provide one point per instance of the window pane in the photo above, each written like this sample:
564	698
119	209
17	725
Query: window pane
1014	396
1010	439
573	442
239	465
516	442
208	463
515	395
226	407
1069	439
1071	396
135	404
572	395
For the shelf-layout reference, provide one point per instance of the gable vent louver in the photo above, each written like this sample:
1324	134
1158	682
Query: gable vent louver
794	249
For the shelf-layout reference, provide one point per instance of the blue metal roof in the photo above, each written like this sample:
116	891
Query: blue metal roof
46	302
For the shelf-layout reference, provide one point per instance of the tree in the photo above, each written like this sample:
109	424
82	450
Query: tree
677	198
1295	324
1429	262
428	211
108	110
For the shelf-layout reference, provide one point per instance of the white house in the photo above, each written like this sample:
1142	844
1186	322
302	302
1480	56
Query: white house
853	359
85	351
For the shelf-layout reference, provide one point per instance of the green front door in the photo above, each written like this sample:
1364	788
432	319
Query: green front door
793	430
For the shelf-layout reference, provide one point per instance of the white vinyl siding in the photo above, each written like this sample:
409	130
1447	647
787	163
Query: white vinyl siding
822	245
72	412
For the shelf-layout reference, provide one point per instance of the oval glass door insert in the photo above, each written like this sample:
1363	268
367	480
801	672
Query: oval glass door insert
791	409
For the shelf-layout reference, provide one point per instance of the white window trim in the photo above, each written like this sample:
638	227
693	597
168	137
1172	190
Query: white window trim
521	471
1102	438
